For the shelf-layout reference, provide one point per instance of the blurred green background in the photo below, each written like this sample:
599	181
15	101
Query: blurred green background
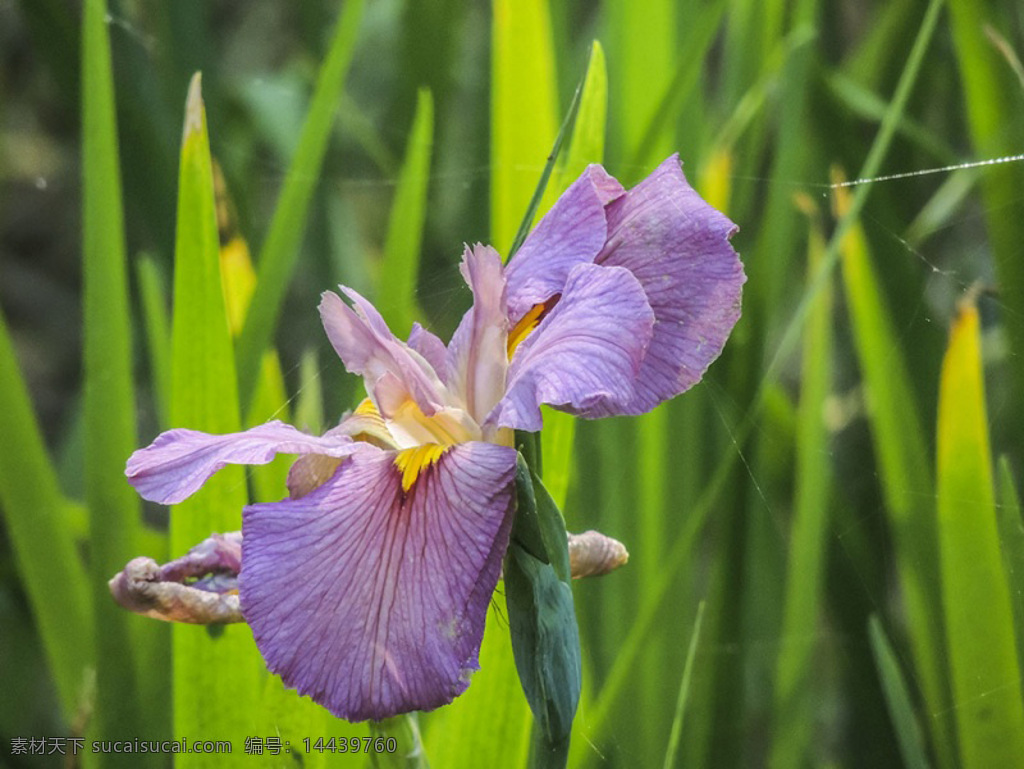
827	557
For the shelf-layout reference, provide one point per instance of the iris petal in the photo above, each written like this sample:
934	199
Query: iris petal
367	347
584	356
477	355
677	246
428	345
372	600
178	462
571	233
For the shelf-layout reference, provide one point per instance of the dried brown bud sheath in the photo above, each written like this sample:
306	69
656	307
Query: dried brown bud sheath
199	588
593	554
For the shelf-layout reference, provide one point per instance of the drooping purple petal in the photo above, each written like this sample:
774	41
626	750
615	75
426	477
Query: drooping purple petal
370	600
571	233
367	347
178	462
477	355
678	247
584	356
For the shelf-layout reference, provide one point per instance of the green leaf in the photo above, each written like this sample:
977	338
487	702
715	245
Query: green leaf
109	409
488	725
794	692
1011	539
158	332
588	132
684	690
281	246
396	291
586	147
552	530
538	194
903	464
643	47
897	697
650	143
557	440
541	616
539	528
309	410
869	106
43	545
405	730
995	120
979	617
869	168
526	530
523	110
270	401
215	675
546	644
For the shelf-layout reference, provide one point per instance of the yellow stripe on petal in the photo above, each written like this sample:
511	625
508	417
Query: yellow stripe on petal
529	322
367	408
411	462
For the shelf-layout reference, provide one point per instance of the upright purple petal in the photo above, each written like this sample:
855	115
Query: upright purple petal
178	462
367	347
571	233
429	346
584	356
477	355
370	600
677	246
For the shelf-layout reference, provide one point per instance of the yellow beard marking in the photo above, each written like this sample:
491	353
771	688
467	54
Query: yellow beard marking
411	462
367	408
523	328
529	322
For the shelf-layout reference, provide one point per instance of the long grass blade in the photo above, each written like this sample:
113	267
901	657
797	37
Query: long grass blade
983	661
644	47
1011	539
109	408
869	168
490	724
905	476
700	35
51	569
215	679
309	406
684	691
396	289
654	603
281	245
238	279
897	697
523	110
590	126
586	147
995	118
153	294
794	685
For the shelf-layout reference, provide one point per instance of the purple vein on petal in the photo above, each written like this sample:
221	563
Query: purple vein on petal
678	247
584	356
373	601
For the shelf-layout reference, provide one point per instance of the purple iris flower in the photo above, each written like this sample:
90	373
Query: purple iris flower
367	589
